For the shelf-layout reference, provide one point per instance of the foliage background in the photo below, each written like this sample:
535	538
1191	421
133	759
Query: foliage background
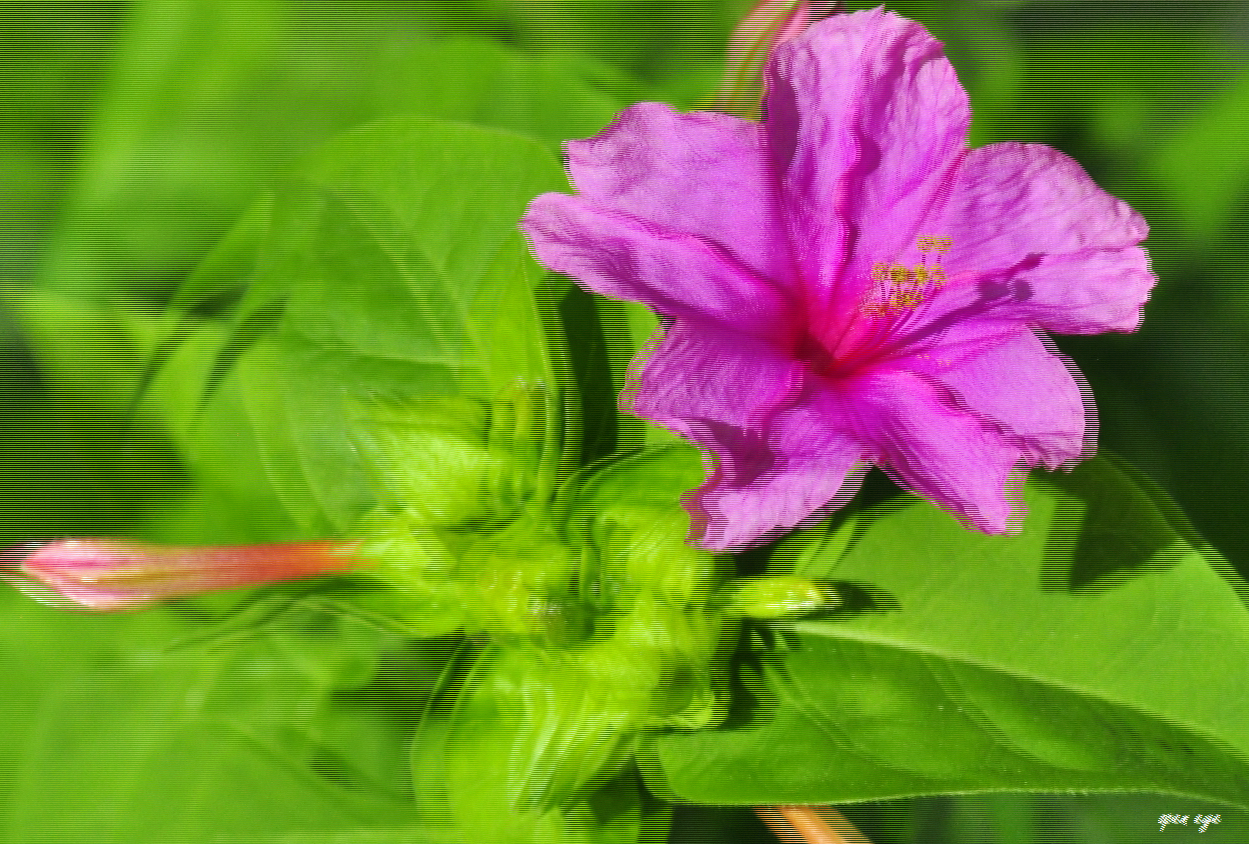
132	135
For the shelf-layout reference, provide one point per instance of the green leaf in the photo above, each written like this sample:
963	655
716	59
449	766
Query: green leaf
1100	650
212	100
73	464
135	729
626	329
376	336
86	354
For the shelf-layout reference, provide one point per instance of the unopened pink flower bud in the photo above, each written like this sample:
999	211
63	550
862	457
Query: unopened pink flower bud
105	575
770	23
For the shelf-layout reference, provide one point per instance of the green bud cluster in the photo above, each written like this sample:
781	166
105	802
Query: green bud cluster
589	618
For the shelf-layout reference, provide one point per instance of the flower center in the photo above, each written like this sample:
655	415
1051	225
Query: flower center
812	352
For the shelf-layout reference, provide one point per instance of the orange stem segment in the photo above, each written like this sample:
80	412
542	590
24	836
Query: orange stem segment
810	825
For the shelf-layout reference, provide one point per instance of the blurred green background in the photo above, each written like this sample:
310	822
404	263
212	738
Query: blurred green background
132	135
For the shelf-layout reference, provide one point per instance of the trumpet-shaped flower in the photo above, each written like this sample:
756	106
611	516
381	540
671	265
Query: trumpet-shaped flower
765	247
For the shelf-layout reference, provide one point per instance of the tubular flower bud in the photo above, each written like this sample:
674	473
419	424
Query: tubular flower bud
105	575
768	24
778	597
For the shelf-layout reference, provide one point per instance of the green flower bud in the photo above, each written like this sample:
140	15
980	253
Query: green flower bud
777	597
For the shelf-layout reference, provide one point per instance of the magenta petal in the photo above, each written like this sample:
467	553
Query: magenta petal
881	299
702	372
1007	376
683	171
938	450
866	119
1011	203
1034	239
677	274
806	463
1087	292
1084	293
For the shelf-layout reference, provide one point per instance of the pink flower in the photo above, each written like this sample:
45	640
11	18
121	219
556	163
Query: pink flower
765	246
105	575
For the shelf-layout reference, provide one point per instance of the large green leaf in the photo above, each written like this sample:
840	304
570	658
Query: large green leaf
210	100
372	334
140	729
1100	650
